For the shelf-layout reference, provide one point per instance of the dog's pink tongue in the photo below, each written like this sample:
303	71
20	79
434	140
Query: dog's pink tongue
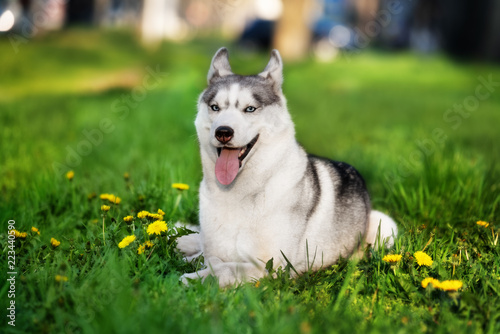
227	166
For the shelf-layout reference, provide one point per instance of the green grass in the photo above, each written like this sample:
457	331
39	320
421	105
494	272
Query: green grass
370	111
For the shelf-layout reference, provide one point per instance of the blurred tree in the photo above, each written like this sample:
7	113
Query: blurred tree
468	29
79	12
292	35
101	11
365	10
160	20
492	41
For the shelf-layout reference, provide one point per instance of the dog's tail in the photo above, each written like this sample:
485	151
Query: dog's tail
381	228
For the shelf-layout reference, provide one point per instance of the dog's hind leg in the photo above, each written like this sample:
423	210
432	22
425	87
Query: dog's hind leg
381	222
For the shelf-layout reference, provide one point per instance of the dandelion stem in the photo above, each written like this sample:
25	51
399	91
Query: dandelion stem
150	253
176	205
427	244
103	237
394	269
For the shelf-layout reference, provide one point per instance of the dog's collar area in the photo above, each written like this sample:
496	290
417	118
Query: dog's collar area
243	150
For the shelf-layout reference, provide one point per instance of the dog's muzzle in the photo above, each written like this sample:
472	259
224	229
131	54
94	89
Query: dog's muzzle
229	161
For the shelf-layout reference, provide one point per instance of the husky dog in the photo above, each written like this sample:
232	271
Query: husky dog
262	196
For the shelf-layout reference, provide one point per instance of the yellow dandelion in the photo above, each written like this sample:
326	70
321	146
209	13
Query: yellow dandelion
34	229
128	218
126	241
142	214
54	242
155	216
92	195
450	285
70	175
113	199
18	234
423	259
126	175
160	212
105	207
95	221
180	186
142	248
394	258
61	278
157	227
484	224
104	196
257	284
435	283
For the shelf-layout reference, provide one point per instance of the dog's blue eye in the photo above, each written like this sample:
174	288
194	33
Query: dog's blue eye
215	107
250	109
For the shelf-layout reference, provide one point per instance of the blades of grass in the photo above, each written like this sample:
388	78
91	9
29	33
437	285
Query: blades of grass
357	288
289	263
345	285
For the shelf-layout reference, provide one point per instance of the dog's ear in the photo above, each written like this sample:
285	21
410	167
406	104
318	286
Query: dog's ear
220	65
274	70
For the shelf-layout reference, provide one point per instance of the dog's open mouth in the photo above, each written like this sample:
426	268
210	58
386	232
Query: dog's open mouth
230	160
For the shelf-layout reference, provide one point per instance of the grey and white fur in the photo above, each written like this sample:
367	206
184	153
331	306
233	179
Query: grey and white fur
262	195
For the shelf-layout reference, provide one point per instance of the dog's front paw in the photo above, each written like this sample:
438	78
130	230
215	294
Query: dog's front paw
187	278
189	245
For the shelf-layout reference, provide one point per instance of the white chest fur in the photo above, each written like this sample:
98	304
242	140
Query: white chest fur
238	228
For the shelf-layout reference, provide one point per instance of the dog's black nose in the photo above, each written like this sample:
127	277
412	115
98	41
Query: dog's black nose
224	134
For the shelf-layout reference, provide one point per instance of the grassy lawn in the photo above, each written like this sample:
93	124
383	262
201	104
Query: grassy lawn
100	105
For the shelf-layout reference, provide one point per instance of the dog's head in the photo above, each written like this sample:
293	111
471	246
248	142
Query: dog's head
238	114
